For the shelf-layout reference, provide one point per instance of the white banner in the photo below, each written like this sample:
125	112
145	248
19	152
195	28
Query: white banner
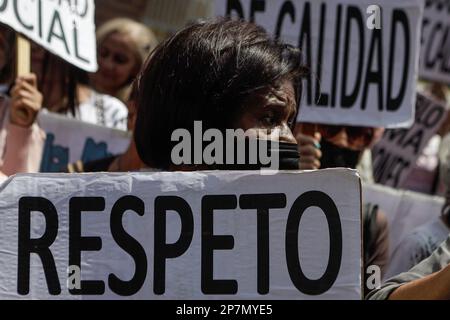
405	210
200	235
65	28
69	140
363	57
397	152
435	54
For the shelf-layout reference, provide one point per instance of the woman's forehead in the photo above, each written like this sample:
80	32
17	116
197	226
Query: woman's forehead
281	93
117	40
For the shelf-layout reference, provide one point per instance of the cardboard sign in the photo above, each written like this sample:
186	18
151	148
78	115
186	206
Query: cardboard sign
65	28
200	235
435	54
70	140
397	152
404	210
363	58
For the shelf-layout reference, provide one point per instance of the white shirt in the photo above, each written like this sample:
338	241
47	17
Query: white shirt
417	246
102	110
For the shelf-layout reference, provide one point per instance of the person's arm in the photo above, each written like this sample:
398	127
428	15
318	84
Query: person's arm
24	139
26	101
24	147
430	279
433	287
2	177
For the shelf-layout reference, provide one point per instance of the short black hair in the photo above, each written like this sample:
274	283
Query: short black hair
204	73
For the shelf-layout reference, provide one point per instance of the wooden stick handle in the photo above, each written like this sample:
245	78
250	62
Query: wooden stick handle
23	56
23	67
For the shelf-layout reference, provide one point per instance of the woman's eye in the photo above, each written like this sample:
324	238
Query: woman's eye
103	53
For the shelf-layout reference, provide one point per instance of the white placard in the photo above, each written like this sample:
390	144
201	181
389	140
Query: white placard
70	140
404	210
200	235
65	28
396	154
435	54
363	59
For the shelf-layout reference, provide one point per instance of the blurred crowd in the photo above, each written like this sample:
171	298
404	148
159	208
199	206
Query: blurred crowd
226	74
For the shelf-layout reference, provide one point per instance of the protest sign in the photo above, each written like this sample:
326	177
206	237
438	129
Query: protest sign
198	235
395	155
69	140
435	53
404	210
363	59
65	28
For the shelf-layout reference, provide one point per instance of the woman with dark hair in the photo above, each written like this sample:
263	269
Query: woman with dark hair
123	46
66	91
226	74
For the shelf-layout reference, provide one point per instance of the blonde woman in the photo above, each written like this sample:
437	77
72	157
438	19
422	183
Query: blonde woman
123	46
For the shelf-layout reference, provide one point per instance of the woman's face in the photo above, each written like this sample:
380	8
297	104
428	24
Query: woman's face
269	113
117	64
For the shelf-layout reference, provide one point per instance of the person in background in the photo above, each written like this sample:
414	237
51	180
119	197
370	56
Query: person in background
422	241
123	46
426	175
226	74
21	141
66	91
429	280
126	162
344	147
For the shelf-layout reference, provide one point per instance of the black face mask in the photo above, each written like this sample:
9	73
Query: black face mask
288	158
337	157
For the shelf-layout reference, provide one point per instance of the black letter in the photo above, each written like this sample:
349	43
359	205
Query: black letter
62	36
39	246
347	101
305	33
429	62
374	77
324	202
394	103
321	98
256	6
75	40
263	202
286	9
210	243
16	12
165	251
235	5
128	244
77	243
337	42
82	14
4	5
